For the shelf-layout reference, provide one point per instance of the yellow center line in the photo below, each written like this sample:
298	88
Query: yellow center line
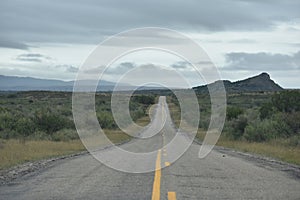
171	195
157	176
156	183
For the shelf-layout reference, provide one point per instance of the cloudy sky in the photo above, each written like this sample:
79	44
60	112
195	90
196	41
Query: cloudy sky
52	38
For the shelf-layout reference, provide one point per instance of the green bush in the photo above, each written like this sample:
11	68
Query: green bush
287	101
267	129
293	121
204	122
144	99
259	132
106	120
25	127
50	122
266	110
233	112
136	114
281	127
238	127
7	121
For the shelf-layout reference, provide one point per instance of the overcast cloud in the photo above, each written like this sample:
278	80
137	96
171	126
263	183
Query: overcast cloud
244	36
262	61
33	57
78	21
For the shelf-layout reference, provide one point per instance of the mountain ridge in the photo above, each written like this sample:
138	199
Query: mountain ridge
258	83
16	83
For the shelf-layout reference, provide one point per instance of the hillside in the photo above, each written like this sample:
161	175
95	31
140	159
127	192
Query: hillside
261	82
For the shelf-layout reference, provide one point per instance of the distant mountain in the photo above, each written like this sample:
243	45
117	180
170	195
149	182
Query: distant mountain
259	83
14	83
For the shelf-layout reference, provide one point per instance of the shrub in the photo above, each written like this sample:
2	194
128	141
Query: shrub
293	121
204	122
106	120
144	99
238	127
259	132
25	127
7	121
266	110
138	113
12	96
267	129
51	122
234	112
287	101
281	127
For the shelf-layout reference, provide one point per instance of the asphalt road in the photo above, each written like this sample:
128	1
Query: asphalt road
221	175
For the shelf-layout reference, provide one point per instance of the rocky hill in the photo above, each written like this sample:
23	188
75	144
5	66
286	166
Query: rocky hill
259	83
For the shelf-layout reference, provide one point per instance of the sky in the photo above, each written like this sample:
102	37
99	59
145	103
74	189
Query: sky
52	38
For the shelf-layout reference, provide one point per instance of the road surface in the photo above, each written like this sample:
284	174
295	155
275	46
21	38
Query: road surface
221	175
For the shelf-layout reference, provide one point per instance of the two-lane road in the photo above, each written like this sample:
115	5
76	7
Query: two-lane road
218	176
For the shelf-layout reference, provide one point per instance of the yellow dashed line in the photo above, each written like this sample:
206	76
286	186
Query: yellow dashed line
167	164
171	195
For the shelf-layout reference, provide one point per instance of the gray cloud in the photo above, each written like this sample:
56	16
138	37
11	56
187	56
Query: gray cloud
12	45
121	68
180	65
71	69
262	61
32	57
75	21
68	68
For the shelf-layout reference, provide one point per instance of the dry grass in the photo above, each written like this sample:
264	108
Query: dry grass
273	149
143	121
13	152
175	113
278	149
116	136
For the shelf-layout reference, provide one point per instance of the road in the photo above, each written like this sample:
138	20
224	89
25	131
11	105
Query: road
221	175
